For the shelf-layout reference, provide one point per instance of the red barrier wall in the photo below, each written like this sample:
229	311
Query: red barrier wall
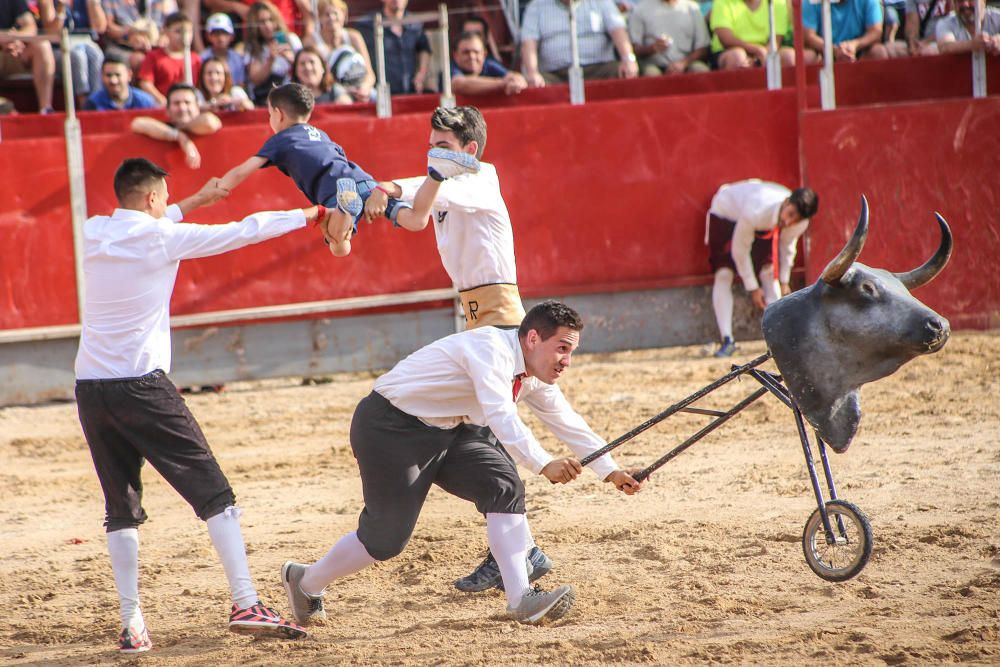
604	197
610	194
911	160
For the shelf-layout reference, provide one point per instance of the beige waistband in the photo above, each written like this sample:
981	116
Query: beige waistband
496	305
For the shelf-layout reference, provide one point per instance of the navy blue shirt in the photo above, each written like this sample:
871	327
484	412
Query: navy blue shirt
99	100
400	53
312	160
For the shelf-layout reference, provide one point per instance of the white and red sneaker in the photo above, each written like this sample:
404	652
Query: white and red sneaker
134	641
263	622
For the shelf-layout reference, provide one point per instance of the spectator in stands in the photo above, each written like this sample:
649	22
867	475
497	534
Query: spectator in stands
143	35
122	14
310	70
669	36
18	57
407	49
545	42
473	74
920	18
164	65
116	92
344	50
269	50
958	33
478	24
221	33
85	57
183	118
216	90
856	27
742	32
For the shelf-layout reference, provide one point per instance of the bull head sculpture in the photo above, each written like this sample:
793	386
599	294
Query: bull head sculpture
856	324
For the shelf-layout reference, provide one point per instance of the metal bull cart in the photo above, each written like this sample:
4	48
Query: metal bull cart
837	539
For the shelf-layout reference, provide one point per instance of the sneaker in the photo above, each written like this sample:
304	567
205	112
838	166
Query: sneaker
442	164
263	622
538	605
727	348
306	609
487	574
348	199
131	641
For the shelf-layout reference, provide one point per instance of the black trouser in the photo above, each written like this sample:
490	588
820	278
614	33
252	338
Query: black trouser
400	457
129	420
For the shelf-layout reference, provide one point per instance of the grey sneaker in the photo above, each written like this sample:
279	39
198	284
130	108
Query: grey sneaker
487	574
538	605
305	608
442	164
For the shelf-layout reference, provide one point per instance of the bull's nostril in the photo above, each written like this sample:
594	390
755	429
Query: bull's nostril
935	325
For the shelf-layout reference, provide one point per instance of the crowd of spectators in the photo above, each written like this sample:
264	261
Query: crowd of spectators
128	54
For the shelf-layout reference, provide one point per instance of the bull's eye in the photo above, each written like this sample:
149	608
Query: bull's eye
869	289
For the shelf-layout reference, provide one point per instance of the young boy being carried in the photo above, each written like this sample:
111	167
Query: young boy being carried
325	175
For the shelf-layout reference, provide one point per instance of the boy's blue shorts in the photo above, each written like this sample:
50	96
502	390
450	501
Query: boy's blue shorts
365	189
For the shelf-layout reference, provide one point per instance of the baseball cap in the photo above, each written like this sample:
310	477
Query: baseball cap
219	21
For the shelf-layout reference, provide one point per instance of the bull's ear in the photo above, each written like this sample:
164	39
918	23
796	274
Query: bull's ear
923	275
836	269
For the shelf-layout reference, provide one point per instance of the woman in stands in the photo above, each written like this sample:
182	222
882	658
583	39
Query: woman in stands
310	70
216	90
343	49
270	50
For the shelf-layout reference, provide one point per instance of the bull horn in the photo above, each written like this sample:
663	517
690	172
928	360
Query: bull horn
836	269
923	275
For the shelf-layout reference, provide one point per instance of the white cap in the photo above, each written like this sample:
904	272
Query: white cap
219	21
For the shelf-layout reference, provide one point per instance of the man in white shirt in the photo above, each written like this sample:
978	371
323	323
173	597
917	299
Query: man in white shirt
476	243
129	410
747	224
409	433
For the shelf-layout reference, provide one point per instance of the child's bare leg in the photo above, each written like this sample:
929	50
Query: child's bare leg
339	228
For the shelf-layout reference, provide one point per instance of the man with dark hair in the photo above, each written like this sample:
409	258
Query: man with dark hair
323	173
749	227
473	73
411	432
184	118
117	91
129	409
476	243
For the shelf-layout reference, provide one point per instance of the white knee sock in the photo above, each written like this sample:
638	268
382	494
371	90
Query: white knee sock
768	283
224	529
531	538
123	547
346	557
722	301
509	538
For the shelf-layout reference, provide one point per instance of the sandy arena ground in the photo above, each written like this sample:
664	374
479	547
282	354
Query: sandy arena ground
705	565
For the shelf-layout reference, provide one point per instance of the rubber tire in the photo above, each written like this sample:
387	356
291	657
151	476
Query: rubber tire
814	525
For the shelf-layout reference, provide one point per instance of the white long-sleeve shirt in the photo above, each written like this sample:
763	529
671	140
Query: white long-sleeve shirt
468	377
472	227
130	262
754	206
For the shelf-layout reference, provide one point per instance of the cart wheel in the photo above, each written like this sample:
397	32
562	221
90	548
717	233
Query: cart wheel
849	553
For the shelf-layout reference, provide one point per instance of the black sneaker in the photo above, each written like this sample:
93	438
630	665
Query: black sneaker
487	574
726	349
